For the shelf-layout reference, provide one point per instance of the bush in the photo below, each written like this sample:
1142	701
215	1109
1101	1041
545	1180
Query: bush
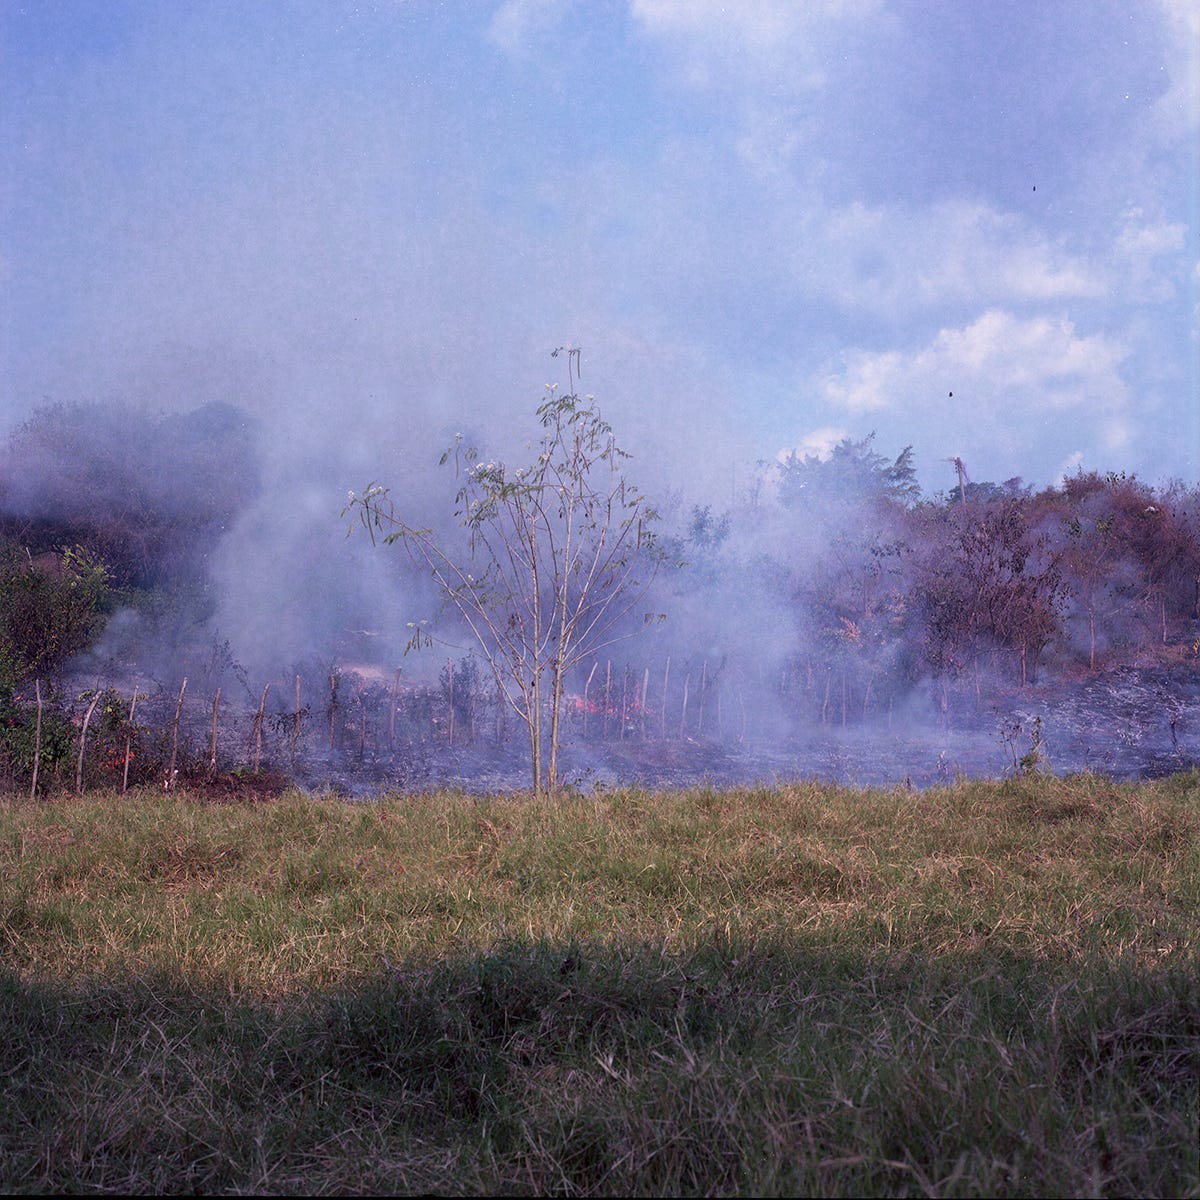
50	609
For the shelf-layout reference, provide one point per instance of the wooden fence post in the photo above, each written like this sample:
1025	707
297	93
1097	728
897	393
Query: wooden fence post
170	780
83	743
129	740
258	724
37	738
212	756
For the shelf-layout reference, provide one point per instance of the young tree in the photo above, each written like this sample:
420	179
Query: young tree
992	584
558	554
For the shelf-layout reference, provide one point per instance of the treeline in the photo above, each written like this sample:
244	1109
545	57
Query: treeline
834	591
847	586
146	494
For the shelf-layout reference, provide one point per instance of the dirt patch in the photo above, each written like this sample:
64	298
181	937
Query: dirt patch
233	787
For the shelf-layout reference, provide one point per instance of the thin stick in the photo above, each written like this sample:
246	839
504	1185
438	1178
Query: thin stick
703	677
666	679
645	700
37	737
212	755
585	697
82	743
258	724
683	714
296	725
450	664
129	739
607	700
170	780
392	713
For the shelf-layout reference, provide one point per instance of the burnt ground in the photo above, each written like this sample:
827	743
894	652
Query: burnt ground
1132	721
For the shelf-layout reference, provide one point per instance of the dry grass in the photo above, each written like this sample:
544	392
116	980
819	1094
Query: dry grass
986	989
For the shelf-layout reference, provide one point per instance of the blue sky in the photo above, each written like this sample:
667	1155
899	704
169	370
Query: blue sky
768	224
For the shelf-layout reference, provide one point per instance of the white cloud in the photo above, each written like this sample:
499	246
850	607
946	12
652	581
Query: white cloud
889	258
1069	465
517	22
767	50
756	27
1139	246
998	360
1177	112
818	444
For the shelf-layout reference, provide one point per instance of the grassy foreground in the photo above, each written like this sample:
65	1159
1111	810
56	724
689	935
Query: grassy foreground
992	989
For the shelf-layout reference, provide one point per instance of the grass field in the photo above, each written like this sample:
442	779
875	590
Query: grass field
990	989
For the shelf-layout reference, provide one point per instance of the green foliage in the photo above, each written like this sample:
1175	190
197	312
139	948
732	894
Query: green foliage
49	610
559	552
19	736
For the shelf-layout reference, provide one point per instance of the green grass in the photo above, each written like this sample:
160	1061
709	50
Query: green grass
990	989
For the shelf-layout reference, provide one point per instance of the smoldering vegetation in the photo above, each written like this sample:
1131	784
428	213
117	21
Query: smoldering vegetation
177	606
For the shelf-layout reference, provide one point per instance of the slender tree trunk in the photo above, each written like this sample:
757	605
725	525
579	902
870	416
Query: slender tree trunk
645	710
535	739
450	669
556	696
687	679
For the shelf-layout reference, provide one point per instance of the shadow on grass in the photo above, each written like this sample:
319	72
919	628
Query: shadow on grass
740	1066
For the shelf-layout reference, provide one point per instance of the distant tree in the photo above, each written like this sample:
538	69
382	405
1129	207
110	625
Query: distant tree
991	584
1128	550
706	531
854	594
149	493
853	473
558	554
